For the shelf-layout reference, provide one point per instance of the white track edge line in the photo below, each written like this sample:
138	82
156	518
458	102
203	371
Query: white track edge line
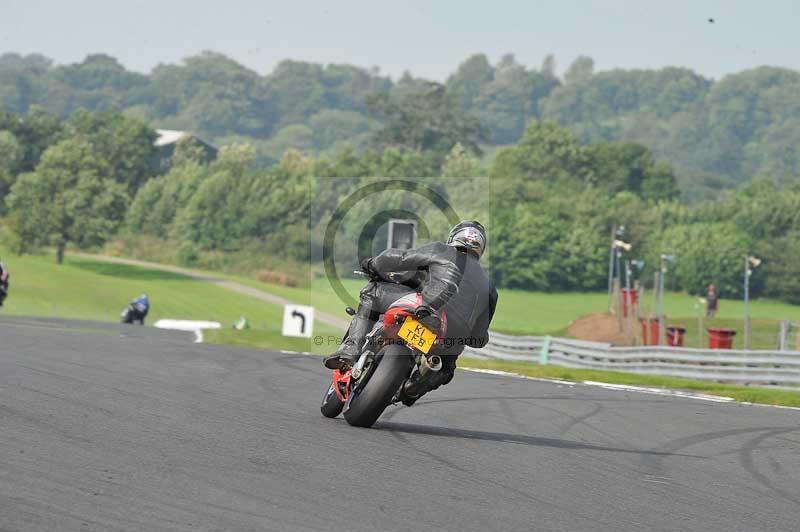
607	386
629	388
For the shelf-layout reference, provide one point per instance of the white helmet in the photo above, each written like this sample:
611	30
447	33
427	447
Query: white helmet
469	234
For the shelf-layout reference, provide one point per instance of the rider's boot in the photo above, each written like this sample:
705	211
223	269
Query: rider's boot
417	386
350	349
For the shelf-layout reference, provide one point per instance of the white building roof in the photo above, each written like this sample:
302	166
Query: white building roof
169	136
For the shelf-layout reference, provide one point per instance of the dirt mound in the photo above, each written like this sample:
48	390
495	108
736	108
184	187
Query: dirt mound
599	327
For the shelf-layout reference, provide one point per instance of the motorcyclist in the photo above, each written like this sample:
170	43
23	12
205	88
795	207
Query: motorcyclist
456	283
142	306
3	282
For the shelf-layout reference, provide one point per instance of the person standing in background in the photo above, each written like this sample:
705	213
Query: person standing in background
712	301
3	282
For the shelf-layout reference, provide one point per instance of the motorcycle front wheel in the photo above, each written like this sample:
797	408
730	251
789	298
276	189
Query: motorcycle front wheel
367	403
331	404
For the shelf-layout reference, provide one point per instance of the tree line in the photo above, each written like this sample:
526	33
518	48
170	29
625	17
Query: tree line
716	134
551	199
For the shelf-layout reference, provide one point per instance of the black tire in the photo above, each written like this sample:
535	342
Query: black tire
367	404
331	404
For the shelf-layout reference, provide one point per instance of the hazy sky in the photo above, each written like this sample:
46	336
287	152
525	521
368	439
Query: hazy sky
429	38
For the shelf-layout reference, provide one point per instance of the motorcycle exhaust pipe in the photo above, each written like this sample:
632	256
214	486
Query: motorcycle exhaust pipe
429	363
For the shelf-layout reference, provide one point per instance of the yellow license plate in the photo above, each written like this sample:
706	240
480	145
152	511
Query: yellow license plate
417	335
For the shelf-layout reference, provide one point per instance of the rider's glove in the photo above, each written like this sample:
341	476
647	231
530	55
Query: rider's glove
428	317
423	311
366	267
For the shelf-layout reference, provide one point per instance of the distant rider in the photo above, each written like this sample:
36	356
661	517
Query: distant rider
456	283
3	282
142	306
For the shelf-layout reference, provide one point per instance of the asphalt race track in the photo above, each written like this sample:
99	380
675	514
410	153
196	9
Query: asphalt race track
107	428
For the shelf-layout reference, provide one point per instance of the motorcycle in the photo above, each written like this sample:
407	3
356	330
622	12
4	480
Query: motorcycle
134	312
3	285
399	355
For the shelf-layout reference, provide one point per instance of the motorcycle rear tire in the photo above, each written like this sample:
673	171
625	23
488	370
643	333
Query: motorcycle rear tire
367	404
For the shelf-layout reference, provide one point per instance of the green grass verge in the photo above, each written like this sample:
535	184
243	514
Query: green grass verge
328	339
95	290
540	313
769	396
262	339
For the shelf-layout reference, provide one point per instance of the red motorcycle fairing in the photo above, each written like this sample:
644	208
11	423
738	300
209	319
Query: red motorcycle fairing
341	383
404	307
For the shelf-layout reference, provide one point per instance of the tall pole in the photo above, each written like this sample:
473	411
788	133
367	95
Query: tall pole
611	269
655	292
627	275
746	301
661	331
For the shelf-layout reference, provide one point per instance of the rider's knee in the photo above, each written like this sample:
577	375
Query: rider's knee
369	290
367	302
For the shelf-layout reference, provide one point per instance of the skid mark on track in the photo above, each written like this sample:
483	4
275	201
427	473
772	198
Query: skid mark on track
748	463
581	419
511	416
653	462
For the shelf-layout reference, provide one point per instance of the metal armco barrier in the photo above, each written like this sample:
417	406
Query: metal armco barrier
757	367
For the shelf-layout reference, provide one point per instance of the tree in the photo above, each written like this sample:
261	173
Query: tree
548	67
238	203
98	82
780	267
11	153
705	253
331	128
35	131
296	136
24	81
125	144
626	166
580	70
560	244
511	99
460	163
70	198
546	153
210	94
158	202
424	121
470	79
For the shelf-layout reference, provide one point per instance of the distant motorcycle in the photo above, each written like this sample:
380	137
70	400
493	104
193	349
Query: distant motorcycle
3	283
136	311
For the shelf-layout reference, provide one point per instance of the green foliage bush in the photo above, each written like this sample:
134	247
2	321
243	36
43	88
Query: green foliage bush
187	254
705	253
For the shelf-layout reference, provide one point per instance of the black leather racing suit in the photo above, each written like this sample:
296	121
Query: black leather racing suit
456	283
4	276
